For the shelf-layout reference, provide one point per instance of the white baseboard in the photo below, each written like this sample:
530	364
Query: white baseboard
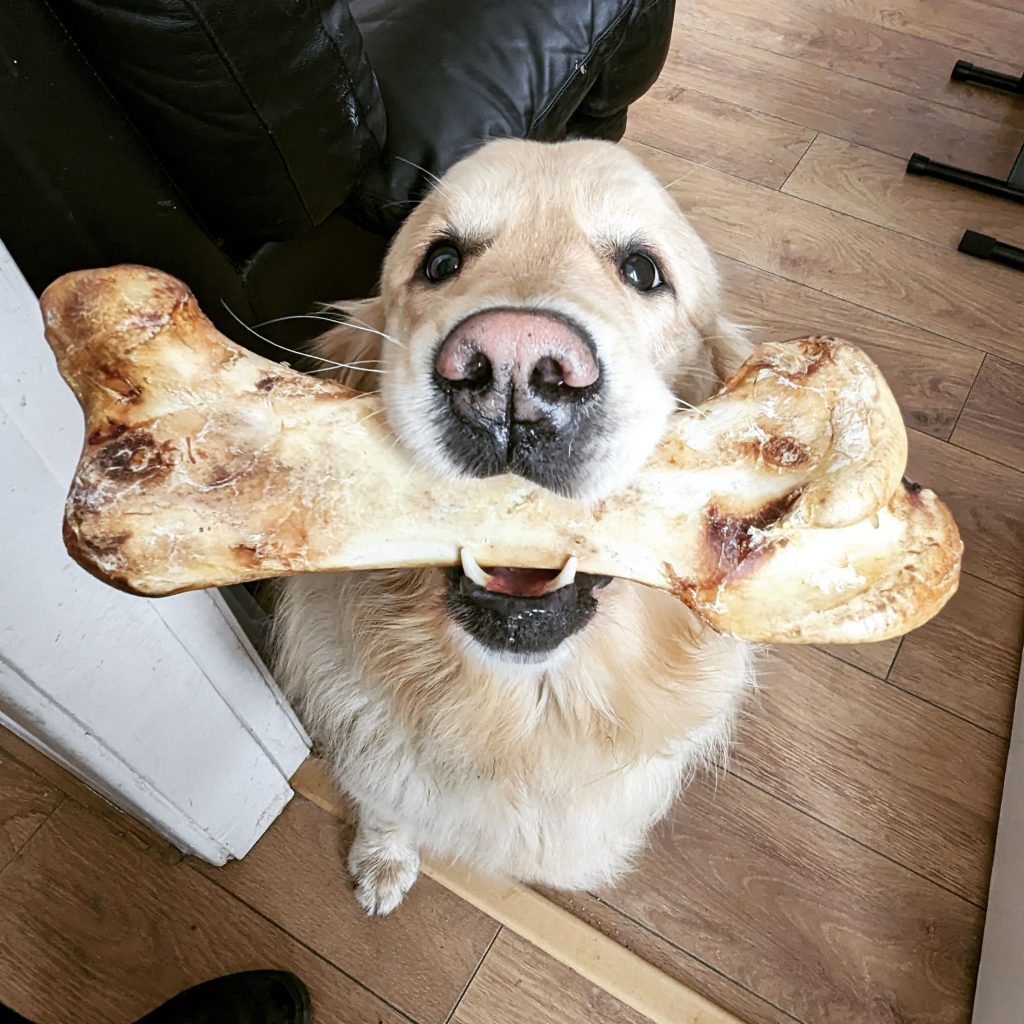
1000	995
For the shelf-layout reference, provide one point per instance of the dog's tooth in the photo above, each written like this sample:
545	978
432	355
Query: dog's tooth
564	578
473	570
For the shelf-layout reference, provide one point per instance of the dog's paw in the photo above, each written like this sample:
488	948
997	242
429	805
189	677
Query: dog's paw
383	865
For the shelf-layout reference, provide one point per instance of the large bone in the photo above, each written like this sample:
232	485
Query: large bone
775	510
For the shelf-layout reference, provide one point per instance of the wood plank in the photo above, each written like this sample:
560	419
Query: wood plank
1009	5
967	659
848	108
717	133
875	187
986	29
619	972
943	292
992	423
419	959
670	959
929	375
818	925
123	825
903	777
874	658
26	801
987	501
850	46
517	982
92	930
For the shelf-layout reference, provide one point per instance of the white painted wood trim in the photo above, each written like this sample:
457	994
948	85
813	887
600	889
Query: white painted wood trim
29	714
205	626
1000	994
161	706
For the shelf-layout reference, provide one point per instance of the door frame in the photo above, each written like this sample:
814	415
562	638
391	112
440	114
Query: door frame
162	706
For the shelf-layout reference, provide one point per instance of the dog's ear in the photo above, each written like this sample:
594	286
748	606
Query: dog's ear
728	346
357	343
725	342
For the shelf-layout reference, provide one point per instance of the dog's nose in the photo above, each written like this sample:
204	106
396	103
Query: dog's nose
522	391
516	366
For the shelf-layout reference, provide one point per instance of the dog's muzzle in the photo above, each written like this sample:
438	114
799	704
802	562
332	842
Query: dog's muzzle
519	393
525	613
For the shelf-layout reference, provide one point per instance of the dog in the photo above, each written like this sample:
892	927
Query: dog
542	311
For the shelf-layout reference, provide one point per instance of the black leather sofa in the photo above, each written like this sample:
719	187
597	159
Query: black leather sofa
264	150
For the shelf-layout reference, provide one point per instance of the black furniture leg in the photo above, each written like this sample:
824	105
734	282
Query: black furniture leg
965	71
985	247
1010	188
974	243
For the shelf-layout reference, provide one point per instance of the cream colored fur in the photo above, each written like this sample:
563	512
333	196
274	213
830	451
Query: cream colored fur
552	771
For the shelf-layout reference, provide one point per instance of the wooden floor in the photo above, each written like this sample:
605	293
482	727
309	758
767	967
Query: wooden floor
836	872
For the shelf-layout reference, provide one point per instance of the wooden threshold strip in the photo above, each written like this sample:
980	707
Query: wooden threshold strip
572	942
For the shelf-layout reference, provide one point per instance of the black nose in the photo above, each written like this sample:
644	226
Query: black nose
520	390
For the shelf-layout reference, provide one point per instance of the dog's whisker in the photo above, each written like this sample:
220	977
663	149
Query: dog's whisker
394	442
359	365
688	407
400	202
672	183
668	186
726	335
360	325
430	174
369	416
412	469
301	316
276	344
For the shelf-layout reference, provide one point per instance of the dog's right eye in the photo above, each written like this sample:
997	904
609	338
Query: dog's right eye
639	271
443	261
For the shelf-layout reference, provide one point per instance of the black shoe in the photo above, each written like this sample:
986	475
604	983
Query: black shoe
8	1016
252	997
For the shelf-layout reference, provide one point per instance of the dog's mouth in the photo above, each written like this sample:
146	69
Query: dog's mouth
525	613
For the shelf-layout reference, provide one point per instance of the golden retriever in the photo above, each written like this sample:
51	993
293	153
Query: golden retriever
542	311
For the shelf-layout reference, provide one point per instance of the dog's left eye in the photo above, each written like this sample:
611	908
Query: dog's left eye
639	271
443	261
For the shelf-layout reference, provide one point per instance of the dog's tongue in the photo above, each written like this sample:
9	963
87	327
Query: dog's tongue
520	582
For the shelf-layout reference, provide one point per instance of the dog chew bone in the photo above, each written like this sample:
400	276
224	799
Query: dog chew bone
775	510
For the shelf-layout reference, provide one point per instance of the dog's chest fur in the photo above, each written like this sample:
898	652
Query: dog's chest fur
550	777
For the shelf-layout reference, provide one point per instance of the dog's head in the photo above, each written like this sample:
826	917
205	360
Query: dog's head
547	308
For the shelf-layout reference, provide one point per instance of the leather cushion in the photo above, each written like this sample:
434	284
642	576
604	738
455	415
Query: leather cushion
455	74
265	113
